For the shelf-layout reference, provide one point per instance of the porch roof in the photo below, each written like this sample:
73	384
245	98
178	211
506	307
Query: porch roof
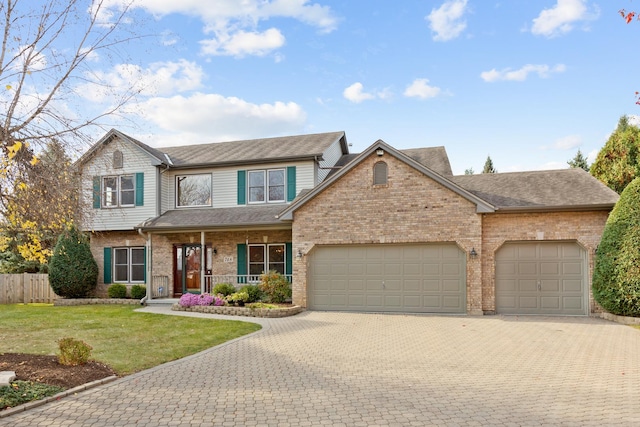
215	218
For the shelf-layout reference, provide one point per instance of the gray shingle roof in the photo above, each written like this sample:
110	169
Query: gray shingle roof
553	189
435	158
209	218
254	150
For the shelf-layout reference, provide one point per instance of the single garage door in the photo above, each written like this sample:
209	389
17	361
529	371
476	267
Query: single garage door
541	278
388	278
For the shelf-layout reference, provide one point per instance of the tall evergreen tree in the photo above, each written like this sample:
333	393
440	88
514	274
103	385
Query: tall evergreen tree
73	272
617	163
488	166
579	161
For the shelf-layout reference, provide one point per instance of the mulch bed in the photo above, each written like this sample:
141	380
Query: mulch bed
46	369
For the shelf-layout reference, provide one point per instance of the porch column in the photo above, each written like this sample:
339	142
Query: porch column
203	250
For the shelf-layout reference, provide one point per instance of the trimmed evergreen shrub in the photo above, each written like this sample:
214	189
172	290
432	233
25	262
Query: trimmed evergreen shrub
73	352
616	277
138	291
224	289
254	292
117	290
275	286
73	273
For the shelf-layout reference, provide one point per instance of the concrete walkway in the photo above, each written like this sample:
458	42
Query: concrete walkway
350	369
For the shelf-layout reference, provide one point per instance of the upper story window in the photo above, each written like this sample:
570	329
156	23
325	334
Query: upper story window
380	173
193	190
118	191
266	186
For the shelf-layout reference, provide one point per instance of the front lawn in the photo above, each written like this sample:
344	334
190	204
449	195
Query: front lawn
121	338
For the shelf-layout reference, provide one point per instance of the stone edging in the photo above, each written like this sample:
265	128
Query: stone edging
625	320
36	403
88	301
241	311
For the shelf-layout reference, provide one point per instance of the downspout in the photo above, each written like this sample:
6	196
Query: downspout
148	267
202	261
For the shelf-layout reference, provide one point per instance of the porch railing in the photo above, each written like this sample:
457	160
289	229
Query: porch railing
237	280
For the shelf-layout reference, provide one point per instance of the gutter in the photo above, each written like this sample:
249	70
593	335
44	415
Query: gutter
565	208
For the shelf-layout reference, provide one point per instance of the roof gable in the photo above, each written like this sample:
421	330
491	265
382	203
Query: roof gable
481	205
156	156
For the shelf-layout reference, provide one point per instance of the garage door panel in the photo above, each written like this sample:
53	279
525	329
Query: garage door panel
394	278
527	268
450	269
451	301
339	285
552	303
550	268
572	285
550	286
451	285
527	285
541	278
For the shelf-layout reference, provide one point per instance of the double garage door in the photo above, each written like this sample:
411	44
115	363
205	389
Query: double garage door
429	278
541	278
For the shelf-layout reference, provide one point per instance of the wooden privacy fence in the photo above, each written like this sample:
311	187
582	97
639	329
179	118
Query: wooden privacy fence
25	288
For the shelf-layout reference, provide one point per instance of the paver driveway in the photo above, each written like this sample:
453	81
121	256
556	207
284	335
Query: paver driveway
350	369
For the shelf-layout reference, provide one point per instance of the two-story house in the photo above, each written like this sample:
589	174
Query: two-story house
383	230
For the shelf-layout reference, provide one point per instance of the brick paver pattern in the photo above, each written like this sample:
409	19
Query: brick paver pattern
349	369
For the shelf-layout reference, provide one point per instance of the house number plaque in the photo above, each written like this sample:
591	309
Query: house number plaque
227	259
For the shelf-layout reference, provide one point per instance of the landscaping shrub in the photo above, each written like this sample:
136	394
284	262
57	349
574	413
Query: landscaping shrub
275	286
254	292
73	352
73	273
138	291
117	291
238	298
224	289
616	277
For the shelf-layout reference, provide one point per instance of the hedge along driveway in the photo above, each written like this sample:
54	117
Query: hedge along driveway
121	338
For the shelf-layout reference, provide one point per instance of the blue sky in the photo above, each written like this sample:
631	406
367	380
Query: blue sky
526	82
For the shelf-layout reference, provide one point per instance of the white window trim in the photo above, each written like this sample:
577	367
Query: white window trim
265	173
265	251
177	195
129	264
119	203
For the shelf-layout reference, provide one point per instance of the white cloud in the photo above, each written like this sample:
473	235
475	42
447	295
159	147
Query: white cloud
521	74
552	166
355	93
562	17
568	142
160	79
591	157
216	118
243	43
446	21
234	24
421	89
634	119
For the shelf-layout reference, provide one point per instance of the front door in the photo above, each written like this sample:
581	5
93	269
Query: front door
187	263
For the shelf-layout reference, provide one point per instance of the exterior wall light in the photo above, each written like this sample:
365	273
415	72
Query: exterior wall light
380	152
473	253
299	254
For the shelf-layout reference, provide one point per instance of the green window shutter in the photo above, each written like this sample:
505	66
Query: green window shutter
96	192
291	183
145	264
242	262
242	187
107	266
139	189
288	258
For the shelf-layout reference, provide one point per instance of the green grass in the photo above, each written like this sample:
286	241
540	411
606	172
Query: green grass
121	338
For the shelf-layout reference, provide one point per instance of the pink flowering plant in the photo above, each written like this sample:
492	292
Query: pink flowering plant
189	300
